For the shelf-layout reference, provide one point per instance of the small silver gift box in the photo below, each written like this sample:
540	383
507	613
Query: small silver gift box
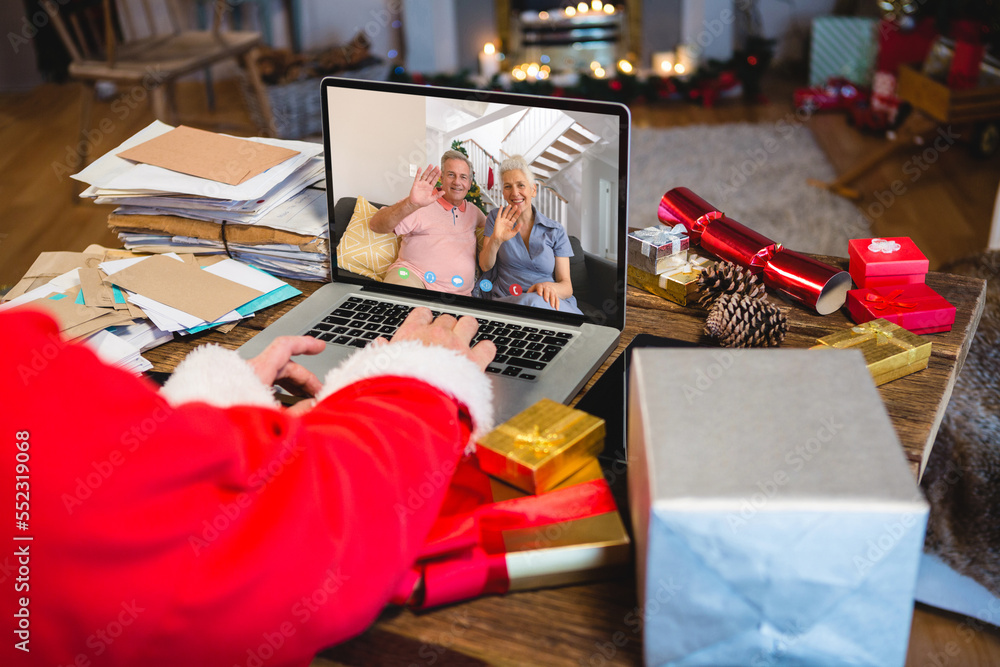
658	248
776	519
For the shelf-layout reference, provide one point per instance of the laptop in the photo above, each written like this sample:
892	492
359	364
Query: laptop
377	134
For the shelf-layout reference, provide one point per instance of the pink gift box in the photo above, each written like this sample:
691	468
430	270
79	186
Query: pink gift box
886	261
916	308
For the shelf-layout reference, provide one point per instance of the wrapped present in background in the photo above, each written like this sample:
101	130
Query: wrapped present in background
842	46
678	284
886	261
658	248
541	446
493	538
890	350
775	517
917	308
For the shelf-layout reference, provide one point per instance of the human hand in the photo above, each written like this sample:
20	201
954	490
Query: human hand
275	366
424	190
547	291
506	225
446	332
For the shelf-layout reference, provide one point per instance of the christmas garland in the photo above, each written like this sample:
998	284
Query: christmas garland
713	79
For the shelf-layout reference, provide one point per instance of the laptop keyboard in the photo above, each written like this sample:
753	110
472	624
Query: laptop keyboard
522	351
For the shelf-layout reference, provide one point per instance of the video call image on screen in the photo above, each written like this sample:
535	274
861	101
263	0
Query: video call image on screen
378	140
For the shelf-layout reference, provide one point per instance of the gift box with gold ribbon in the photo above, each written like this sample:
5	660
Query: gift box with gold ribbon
678	284
658	248
890	351
541	446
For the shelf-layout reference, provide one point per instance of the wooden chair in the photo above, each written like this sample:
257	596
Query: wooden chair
154	61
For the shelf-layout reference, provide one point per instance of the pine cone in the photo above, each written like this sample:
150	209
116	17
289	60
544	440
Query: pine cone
728	278
738	320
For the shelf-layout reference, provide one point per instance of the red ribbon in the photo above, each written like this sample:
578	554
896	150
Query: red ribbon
464	556
880	302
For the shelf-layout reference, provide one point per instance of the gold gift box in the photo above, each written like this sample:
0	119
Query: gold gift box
567	552
541	446
890	350
678	284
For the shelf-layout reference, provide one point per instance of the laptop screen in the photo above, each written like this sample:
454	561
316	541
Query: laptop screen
561	164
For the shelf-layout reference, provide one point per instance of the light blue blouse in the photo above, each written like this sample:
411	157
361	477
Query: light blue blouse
525	266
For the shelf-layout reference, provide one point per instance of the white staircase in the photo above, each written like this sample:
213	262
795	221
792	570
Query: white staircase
548	202
549	140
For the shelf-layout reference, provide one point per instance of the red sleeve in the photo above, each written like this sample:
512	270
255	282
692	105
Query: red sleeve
203	535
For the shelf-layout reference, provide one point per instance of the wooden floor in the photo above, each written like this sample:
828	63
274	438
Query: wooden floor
946	208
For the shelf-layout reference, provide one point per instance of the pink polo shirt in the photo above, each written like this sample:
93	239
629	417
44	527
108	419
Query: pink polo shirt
439	246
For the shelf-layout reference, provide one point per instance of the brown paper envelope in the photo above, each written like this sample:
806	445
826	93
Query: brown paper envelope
95	292
135	312
208	155
66	311
54	264
22	286
185	287
111	319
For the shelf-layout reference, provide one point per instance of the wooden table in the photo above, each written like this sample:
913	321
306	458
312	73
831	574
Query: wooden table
599	624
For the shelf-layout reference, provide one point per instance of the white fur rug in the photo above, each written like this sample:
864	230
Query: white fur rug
755	174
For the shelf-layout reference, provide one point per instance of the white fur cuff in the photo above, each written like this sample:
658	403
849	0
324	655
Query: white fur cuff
217	376
445	369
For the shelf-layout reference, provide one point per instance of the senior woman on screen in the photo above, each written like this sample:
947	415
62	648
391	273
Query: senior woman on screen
526	254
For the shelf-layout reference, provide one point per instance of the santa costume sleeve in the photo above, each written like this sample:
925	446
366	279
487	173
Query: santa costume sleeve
205	525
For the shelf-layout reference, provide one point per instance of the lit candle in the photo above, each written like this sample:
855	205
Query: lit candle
663	63
686	60
488	63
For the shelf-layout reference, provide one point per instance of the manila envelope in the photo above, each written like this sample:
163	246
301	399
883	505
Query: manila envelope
66	311
95	291
46	266
208	155
185	287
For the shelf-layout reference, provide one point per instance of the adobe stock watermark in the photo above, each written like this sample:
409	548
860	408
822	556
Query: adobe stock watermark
430	653
29	27
915	168
635	620
40	358
101	639
778	653
229	512
784	129
707	376
881	546
301	610
967	631
795	459
103	468
122	107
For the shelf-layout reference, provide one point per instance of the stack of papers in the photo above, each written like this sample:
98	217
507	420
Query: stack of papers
187	190
123	307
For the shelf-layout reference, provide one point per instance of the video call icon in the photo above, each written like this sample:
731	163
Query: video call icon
404	273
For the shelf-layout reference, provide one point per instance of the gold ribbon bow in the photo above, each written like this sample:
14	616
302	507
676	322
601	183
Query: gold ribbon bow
881	335
540	444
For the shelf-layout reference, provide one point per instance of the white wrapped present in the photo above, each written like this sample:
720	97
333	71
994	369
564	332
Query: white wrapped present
776	519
